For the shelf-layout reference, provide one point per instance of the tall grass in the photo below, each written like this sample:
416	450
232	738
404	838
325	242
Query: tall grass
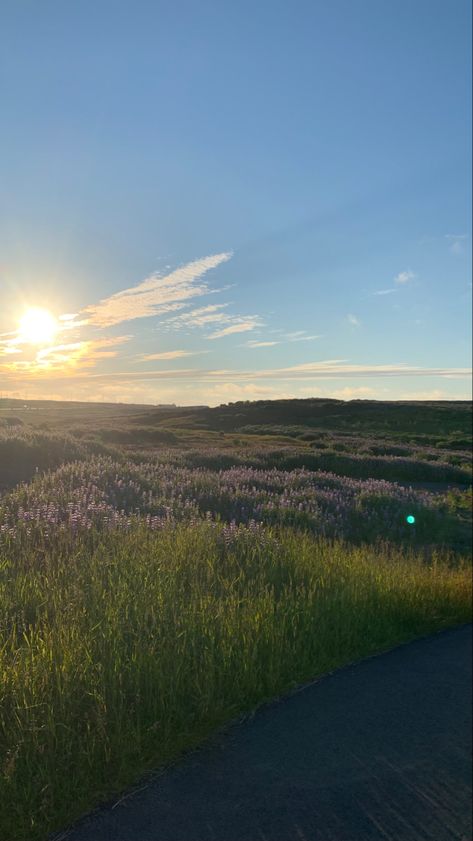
120	649
25	452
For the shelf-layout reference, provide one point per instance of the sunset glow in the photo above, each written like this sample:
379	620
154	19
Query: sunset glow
37	327
160	252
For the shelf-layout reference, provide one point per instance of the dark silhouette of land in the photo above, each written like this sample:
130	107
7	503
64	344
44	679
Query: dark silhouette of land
377	750
427	421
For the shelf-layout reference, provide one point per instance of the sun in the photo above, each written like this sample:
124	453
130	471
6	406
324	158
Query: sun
37	326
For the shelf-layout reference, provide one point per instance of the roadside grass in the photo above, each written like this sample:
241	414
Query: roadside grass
120	650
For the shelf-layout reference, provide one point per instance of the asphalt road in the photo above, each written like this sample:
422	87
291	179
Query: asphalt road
378	750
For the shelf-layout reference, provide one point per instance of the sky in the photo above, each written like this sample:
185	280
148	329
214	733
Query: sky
205	202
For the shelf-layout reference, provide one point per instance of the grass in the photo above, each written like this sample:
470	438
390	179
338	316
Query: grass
123	645
25	451
120	650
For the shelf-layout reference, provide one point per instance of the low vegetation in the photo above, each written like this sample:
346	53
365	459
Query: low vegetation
122	649
25	452
157	581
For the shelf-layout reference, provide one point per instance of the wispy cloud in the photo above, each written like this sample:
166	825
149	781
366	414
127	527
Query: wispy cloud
7	348
65	359
338	367
18	341
216	315
326	369
353	320
457	243
171	354
200	317
295	336
156	294
405	276
300	336
432	394
243	325
385	291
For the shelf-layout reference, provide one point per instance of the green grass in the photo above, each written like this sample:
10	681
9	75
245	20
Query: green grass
25	451
120	650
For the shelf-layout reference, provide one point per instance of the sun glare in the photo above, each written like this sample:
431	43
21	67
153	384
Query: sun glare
37	326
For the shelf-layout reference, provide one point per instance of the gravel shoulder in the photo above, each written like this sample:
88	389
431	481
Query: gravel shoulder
380	750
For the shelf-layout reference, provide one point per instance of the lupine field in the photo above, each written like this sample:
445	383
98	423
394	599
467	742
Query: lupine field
164	574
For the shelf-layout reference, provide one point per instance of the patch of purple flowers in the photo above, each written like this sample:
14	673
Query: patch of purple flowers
110	495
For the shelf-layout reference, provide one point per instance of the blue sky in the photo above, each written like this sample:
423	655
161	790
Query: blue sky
236	200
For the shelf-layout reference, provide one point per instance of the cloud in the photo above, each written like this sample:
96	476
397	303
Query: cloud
171	354
244	326
433	394
326	369
405	277
214	314
300	336
191	393
353	320
337	367
296	336
457	243
155	295
65	360
68	316
385	291
8	349
18	341
210	314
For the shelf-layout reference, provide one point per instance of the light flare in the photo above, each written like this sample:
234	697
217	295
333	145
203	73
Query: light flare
37	327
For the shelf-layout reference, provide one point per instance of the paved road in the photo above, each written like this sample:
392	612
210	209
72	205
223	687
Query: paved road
379	751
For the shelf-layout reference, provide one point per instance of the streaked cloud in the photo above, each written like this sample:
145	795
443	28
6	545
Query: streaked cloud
68	316
326	369
300	336
191	392
200	317
238	326
385	291
216	315
157	294
6	348
353	320
171	354
64	359
296	336
337	367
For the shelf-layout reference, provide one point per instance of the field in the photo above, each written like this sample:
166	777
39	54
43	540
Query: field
165	570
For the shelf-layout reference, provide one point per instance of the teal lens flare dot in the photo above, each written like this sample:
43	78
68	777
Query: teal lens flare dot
410	519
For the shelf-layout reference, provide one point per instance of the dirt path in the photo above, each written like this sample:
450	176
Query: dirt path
379	751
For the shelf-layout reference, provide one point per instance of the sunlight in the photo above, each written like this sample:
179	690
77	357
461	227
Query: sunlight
37	326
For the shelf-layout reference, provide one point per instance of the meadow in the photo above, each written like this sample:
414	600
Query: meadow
165	571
